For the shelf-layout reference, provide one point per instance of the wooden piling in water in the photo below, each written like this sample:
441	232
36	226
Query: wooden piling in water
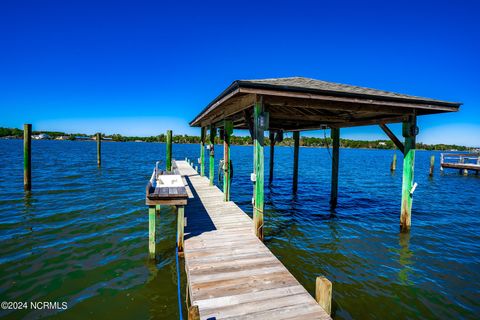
202	151
272	154
27	157
296	147
151	231
213	133
335	161
228	130
180	227
432	164
409	133
323	294
169	151
393	165
99	149
193	313
258	144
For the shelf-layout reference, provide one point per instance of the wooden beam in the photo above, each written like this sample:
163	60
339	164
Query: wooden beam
409	133
335	162
366	101
392	137
296	147
258	165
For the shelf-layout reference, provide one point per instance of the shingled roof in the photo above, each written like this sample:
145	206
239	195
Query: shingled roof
320	102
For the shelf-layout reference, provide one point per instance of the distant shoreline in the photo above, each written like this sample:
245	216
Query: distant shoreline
373	143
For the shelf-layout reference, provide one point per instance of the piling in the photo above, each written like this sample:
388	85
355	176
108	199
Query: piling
408	131
27	157
227	132
193	313
213	133
258	145
169	150
296	147
393	165
323	294
272	154
432	164
202	151
180	227
151	231
335	160
99	149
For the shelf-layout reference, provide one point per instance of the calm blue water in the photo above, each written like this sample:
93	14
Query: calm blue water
81	236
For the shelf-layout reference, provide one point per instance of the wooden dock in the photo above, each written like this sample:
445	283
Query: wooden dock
460	161
231	273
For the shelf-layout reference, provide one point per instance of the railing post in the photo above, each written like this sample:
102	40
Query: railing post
27	157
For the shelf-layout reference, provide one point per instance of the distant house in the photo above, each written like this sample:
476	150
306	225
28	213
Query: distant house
381	143
62	138
41	136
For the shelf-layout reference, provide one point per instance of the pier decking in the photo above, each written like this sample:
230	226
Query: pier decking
231	273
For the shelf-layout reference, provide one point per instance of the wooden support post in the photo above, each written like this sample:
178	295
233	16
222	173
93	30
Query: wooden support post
409	132
151	231
193	313
432	164
323	294
202	151
213	133
335	161
393	166
272	154
157	208
27	157
296	147
169	150
260	124
180	227
228	130
99	149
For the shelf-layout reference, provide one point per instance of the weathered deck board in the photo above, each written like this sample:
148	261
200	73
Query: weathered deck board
231	273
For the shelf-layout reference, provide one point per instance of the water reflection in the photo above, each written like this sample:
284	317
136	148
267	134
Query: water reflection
405	259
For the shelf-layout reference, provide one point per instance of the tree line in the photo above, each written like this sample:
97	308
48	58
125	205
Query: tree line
244	140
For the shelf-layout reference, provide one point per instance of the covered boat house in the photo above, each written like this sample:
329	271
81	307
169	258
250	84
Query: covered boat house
299	104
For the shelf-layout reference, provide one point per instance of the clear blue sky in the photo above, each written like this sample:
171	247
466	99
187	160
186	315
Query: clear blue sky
138	67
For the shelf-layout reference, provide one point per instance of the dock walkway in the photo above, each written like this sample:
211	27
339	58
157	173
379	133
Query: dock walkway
231	273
